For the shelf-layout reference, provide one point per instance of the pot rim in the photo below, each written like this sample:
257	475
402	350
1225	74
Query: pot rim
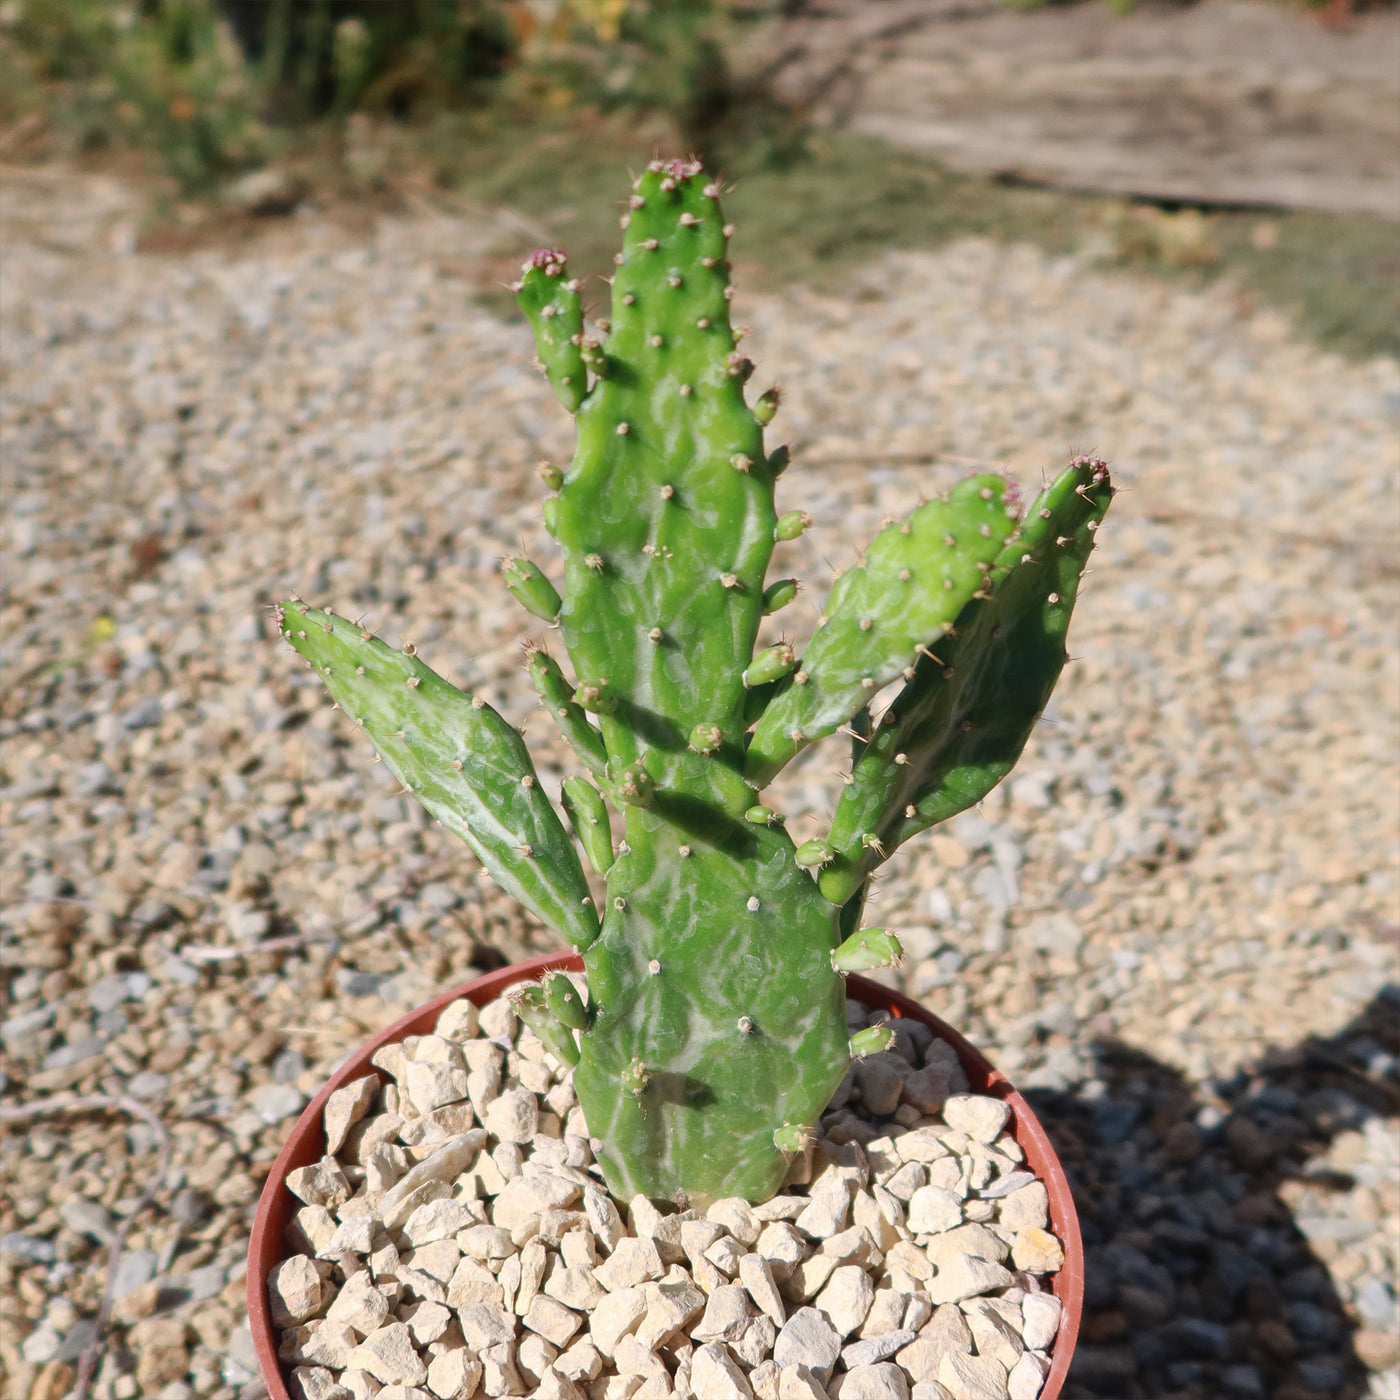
301	1148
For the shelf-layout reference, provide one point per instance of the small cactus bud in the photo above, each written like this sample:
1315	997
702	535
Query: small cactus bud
813	853
871	1041
550	475
866	949
792	525
765	407
763	816
778	460
531	1005
706	738
791	1138
779	595
635	1077
531	589
633	786
596	699
566	1002
770	665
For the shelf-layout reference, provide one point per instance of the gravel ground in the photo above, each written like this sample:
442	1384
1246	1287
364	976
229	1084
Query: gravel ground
1176	924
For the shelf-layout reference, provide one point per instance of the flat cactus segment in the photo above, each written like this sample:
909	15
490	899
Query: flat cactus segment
665	517
917	578
712	975
551	303
960	724
464	763
557	696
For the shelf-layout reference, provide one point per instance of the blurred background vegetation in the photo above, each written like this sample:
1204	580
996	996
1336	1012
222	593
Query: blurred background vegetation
215	87
250	108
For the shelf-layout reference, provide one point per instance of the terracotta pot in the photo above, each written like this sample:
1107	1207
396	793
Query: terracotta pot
307	1143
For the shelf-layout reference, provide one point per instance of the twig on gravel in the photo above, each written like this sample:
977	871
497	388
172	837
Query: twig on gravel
87	1103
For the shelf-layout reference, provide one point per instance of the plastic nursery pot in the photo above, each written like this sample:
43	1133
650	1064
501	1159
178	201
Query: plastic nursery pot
307	1143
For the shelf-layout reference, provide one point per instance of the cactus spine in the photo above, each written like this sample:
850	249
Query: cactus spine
714	1031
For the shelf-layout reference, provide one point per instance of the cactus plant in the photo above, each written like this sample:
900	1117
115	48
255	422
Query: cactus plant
714	1032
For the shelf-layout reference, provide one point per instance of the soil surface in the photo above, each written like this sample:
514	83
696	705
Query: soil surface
1176	924
1226	102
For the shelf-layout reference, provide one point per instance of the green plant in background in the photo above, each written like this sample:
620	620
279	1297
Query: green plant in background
218	86
667	56
166	74
713	1033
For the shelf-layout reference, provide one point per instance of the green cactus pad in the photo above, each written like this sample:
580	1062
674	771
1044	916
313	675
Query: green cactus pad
713	974
960	724
467	766
665	517
918	577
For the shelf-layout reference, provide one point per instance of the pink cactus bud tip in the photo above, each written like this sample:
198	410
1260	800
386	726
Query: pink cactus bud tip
681	169
550	260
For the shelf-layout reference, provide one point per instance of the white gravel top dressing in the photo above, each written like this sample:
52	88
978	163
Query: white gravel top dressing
456	1238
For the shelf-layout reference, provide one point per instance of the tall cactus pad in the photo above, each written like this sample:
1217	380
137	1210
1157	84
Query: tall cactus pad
959	725
665	517
719	1015
713	1032
466	765
713	972
882	616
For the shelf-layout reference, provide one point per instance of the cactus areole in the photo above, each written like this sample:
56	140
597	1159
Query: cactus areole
713	1032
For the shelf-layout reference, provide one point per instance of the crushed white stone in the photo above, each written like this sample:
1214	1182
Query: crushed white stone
442	1258
294	1291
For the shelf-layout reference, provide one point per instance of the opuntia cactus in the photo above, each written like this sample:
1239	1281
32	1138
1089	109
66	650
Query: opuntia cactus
713	1032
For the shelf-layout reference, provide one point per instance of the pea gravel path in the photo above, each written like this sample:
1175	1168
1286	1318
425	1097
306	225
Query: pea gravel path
1177	923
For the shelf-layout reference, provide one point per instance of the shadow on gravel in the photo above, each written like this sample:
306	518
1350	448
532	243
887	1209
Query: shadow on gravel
1201	1283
